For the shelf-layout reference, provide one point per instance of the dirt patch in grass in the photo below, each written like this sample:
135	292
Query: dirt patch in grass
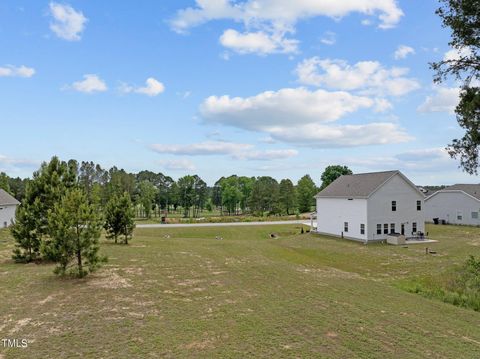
200	345
330	272
109	279
20	324
46	300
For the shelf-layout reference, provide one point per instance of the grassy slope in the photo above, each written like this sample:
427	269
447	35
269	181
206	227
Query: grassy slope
247	295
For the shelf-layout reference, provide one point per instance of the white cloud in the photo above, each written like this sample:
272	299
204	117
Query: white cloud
424	155
368	76
182	164
258	42
267	155
10	161
286	107
67	23
444	99
239	151
415	161
16	71
90	84
202	148
276	19
282	13
329	38
403	51
328	136
152	88
455	54
303	117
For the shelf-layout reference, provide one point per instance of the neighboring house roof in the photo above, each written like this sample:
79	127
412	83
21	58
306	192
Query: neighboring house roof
472	190
361	185
7	199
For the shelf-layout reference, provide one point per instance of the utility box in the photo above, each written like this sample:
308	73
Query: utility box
396	239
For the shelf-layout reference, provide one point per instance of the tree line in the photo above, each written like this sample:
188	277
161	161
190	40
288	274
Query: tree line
154	194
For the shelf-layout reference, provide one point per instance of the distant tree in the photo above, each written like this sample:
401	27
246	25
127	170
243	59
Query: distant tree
92	178
217	194
4	182
119	218
463	18
17	187
48	186
287	196
245	185
230	193
186	193
209	205
331	173
231	196
264	196
75	227
119	182
147	193
306	191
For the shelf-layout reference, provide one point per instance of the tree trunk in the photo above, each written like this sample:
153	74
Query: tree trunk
79	259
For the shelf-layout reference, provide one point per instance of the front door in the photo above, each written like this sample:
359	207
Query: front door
403	229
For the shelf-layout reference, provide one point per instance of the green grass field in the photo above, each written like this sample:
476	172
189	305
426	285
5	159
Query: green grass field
180	293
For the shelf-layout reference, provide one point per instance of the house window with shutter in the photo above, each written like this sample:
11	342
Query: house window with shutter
394	206
419	205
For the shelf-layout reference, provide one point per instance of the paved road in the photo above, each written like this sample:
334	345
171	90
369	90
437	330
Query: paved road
183	225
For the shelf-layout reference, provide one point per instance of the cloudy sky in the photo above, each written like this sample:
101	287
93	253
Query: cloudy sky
220	87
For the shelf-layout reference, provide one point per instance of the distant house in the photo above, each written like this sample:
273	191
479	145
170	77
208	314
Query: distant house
369	206
457	204
8	206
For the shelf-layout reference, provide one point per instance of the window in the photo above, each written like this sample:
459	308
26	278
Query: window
379	229
362	228
414	227
385	228
419	205
394	206
392	227
459	216
474	215
345	226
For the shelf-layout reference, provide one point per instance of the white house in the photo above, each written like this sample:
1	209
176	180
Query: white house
8	206
369	206
457	204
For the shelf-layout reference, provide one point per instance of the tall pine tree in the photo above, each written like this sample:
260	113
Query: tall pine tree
75	226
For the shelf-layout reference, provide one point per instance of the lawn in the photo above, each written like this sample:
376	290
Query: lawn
180	292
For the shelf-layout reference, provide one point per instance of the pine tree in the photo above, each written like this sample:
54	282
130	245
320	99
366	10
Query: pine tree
119	218
27	246
287	196
75	228
305	191
46	188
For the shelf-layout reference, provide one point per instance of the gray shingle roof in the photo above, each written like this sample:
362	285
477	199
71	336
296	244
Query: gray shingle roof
360	185
6	198
471	189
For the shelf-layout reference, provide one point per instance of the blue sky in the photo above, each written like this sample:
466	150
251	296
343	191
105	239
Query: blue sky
218	87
